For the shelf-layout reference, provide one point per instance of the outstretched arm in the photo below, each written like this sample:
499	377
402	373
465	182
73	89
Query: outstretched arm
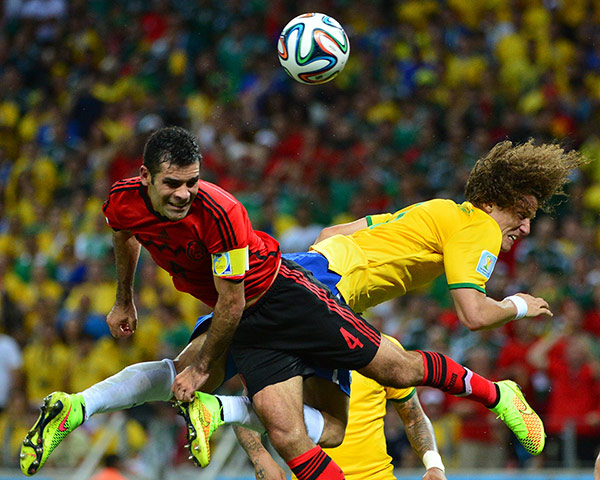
226	316
477	311
265	467
342	229
122	319
421	437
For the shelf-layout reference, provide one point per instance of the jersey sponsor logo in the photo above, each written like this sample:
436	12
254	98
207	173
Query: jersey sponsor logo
486	264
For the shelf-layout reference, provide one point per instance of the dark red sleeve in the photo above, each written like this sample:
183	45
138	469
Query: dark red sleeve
117	202
111	212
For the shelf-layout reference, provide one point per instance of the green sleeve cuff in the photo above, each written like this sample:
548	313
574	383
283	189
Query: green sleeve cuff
466	285
369	220
404	399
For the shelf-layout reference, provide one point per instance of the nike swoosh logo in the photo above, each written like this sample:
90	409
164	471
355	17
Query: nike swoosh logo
525	410
61	427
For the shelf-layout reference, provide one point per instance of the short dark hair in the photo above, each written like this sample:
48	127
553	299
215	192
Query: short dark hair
510	172
174	145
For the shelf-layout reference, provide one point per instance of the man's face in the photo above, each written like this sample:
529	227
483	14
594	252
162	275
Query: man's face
513	222
172	189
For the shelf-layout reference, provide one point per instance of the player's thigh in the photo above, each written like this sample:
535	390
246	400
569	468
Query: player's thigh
190	354
279	407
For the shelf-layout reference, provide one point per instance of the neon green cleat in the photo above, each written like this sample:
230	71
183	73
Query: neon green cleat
202	417
516	413
61	414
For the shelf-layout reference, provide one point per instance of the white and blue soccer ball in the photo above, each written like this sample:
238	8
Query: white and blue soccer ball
313	48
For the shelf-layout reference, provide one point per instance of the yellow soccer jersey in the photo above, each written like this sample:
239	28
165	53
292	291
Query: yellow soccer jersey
363	453
405	250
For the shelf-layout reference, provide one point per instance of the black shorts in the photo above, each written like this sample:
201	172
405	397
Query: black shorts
298	323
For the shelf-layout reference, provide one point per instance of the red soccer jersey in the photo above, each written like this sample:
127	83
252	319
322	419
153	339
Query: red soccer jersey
216	223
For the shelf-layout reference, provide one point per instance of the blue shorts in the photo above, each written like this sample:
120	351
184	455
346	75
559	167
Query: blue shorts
319	266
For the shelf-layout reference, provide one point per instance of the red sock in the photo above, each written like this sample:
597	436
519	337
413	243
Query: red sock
315	464
444	373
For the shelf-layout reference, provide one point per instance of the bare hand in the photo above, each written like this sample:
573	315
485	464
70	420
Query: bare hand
187	382
434	473
122	320
535	306
267	469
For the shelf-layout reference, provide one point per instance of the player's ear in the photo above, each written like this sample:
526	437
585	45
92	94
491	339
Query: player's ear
145	175
487	208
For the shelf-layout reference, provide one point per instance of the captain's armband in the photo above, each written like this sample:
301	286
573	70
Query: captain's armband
233	263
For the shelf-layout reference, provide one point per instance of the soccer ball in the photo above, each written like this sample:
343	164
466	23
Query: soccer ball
313	48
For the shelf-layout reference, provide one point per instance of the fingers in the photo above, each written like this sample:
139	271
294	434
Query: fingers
536	306
543	307
184	395
186	383
121	330
181	392
125	329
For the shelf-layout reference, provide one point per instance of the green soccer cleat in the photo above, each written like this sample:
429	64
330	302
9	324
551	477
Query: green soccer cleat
61	414
516	413
202	417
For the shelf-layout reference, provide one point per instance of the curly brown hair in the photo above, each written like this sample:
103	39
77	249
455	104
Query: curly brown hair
510	172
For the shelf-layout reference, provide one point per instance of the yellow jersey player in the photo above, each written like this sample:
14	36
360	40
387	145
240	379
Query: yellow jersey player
381	257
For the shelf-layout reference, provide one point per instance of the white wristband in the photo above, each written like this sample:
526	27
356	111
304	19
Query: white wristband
520	304
432	459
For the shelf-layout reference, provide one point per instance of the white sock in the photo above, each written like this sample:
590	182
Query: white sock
134	385
315	423
239	411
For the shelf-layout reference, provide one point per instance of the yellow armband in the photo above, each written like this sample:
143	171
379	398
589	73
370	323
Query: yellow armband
233	263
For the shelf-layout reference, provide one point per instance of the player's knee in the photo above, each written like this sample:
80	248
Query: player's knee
395	367
333	436
281	438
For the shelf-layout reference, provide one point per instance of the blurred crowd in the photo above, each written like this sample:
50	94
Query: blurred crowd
430	86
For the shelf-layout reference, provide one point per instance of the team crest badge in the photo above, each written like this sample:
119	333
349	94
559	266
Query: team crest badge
195	250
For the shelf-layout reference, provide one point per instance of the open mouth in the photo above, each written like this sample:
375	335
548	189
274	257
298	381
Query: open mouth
513	237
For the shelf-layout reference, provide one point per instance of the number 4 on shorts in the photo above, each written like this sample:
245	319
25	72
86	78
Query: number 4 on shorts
351	340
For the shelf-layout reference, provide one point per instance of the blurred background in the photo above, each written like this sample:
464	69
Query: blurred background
430	86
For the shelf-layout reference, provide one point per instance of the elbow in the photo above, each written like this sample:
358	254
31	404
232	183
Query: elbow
325	233
472	322
233	308
237	308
